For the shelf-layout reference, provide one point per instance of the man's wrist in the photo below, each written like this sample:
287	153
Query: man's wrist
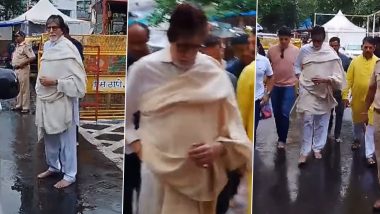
136	146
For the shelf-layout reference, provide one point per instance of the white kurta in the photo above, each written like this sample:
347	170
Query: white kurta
316	101
163	151
61	148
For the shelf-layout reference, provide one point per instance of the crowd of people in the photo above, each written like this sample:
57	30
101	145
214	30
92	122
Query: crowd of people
189	118
317	80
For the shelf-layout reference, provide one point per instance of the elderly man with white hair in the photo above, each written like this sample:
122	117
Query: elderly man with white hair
61	82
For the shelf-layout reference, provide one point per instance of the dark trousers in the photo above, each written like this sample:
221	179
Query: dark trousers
283	99
339	111
257	119
228	192
132	180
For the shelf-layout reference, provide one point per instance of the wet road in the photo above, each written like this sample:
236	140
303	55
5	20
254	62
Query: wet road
340	183
98	189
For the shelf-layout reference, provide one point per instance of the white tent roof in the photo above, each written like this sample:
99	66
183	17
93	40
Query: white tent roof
340	24
341	27
40	12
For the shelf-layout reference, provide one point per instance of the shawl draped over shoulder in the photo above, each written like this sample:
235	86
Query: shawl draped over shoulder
319	99
195	107
54	109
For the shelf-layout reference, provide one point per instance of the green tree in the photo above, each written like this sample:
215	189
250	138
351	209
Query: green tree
212	8
274	13
10	9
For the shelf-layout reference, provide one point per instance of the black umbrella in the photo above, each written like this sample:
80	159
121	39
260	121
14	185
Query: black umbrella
9	85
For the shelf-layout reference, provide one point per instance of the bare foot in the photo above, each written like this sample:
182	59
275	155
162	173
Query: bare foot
62	184
45	174
280	145
317	155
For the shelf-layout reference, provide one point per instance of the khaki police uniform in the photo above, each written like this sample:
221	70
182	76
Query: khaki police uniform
22	53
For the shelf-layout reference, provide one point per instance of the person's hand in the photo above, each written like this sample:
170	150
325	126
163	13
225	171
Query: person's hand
136	147
265	100
346	103
47	82
21	66
365	117
319	80
204	154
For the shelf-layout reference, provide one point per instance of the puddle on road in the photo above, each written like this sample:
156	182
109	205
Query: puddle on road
21	158
8	194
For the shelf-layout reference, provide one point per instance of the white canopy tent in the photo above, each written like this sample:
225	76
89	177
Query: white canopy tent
349	33
158	36
40	12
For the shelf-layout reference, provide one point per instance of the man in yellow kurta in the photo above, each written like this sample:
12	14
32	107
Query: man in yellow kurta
245	97
358	76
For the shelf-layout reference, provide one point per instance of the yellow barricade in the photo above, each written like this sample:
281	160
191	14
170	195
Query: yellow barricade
268	42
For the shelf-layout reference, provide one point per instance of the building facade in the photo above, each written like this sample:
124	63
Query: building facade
84	9
68	7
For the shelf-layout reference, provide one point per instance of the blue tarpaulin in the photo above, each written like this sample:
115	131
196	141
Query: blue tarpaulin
249	13
233	14
142	20
306	24
10	23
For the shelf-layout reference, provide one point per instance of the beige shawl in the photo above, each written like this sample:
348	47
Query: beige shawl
319	99
54	110
197	106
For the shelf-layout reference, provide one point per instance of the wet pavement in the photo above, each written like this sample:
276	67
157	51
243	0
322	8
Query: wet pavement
107	136
98	189
340	183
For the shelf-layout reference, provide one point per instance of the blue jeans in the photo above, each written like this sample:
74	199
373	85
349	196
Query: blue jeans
283	99
257	119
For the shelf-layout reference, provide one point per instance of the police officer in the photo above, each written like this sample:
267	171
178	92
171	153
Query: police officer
21	59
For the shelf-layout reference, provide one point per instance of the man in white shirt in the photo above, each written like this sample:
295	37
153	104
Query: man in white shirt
57	110
138	36
264	72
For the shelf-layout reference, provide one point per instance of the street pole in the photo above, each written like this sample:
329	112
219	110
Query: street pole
373	27
367	25
28	5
